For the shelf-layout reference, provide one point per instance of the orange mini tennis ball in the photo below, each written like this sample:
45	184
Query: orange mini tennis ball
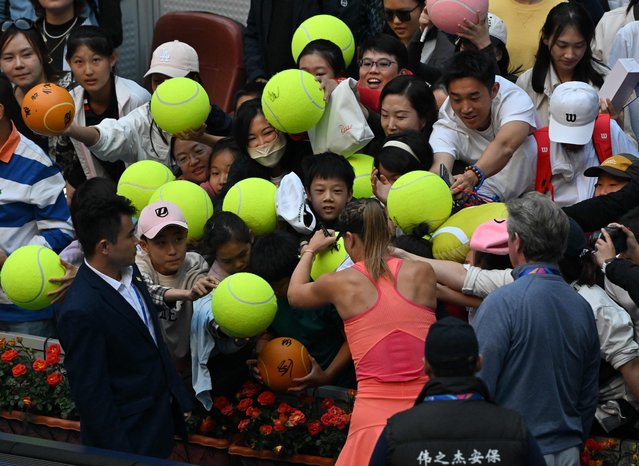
48	109
282	360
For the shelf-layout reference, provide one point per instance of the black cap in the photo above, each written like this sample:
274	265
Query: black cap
621	165
451	343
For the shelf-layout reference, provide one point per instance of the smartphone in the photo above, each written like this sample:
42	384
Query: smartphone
445	175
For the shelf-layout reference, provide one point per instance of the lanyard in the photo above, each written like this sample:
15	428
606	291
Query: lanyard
137	295
454	396
538	271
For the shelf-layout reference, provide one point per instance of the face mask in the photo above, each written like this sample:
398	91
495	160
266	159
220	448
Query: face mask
269	154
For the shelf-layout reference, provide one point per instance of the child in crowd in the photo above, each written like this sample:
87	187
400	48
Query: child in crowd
400	153
328	181
228	243
320	330
224	153
173	276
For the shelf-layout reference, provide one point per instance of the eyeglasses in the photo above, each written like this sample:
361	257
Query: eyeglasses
402	15
188	158
23	24
382	64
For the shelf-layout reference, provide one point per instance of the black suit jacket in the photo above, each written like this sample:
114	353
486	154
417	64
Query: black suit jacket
258	25
127	390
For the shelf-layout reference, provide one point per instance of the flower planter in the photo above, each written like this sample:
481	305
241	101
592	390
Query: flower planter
35	425
249	457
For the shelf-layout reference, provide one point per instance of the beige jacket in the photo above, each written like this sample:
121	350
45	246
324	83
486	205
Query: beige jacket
606	30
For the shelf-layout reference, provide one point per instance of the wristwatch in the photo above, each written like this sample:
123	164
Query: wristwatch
605	264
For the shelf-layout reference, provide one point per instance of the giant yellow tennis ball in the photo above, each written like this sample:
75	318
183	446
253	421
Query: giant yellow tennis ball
363	166
326	27
26	273
329	260
179	104
244	305
48	109
417	197
253	200
140	180
292	101
192	200
451	241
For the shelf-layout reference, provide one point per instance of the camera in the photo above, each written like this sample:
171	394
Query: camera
617	236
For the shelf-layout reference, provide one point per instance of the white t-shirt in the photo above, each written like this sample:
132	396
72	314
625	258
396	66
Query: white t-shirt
450	135
568	180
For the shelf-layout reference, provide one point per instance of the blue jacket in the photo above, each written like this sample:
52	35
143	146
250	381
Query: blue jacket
541	355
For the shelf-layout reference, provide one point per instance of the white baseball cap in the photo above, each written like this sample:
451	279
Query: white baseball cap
574	107
497	28
174	59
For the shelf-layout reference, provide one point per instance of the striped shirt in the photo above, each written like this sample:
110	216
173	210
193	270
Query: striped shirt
33	209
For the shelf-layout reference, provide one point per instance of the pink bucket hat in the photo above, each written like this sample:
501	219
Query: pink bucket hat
491	237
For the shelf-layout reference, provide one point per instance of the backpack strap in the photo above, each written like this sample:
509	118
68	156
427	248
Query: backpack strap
544	170
601	137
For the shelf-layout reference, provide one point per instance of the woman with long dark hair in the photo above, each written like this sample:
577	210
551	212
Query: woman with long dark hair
265	152
100	94
387	307
563	55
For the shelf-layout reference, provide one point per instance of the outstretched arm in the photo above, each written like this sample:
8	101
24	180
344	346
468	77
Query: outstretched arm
497	154
301	291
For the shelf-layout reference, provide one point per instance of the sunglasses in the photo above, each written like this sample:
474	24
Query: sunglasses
402	15
23	24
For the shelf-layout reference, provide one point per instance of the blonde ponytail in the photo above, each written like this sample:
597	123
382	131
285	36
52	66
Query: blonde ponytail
367	218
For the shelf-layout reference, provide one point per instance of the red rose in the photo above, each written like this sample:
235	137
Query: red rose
220	402
53	359
39	365
343	421
314	427
54	349
284	408
593	445
278	425
266	398
54	379
250	389
26	401
207	424
335	411
18	370
9	355
253	412
327	403
243	425
297	417
266	429
244	404
227	410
